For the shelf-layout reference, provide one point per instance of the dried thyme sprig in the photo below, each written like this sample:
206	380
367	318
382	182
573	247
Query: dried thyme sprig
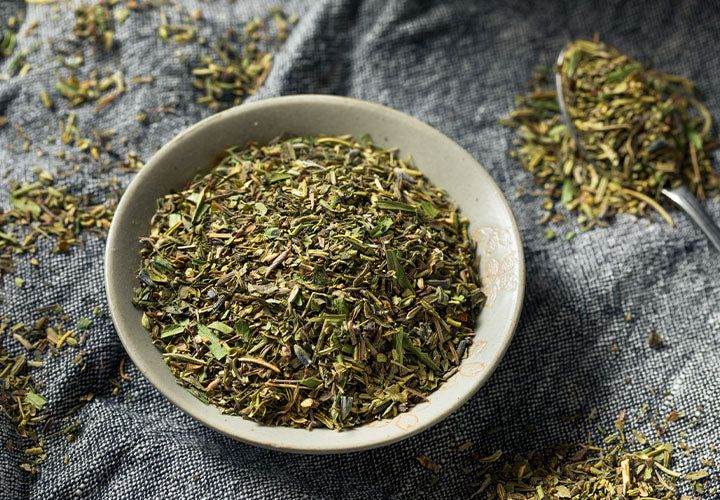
642	130
310	282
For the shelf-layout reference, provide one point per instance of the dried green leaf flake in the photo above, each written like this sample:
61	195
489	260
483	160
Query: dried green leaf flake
171	330
36	400
221	327
395	266
216	347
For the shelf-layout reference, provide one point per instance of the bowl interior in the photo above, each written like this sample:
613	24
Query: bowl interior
445	163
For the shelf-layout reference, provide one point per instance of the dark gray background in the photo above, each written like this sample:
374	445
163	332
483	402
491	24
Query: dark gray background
457	66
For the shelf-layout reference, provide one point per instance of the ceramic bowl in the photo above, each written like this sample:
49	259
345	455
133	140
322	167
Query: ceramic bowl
442	160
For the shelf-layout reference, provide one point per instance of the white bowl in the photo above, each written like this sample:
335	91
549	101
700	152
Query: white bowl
444	162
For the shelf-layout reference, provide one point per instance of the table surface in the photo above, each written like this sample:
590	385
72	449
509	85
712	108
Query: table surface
455	65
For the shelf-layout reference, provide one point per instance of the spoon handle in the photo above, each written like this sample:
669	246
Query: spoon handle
684	199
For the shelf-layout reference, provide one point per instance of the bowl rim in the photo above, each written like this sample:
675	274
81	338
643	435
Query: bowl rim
114	296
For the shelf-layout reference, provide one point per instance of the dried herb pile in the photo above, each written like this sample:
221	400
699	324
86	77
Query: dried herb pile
618	467
608	471
310	282
642	130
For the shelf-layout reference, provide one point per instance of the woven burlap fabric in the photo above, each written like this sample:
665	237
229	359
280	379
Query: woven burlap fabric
456	66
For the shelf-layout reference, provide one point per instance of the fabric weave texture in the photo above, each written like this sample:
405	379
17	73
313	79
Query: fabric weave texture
457	66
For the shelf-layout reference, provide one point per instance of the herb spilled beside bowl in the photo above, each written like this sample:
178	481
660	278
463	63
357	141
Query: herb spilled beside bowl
318	281
613	136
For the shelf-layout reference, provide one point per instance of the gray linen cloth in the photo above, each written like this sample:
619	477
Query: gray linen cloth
455	65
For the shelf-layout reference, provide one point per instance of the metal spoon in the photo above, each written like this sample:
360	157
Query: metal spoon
680	196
